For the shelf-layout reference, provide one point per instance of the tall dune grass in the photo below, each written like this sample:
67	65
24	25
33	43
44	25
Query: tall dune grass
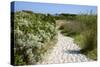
83	28
87	39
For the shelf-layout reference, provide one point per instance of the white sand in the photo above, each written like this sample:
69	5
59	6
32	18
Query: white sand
65	51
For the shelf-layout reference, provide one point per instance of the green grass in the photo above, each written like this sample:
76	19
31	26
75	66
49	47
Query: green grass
83	29
87	41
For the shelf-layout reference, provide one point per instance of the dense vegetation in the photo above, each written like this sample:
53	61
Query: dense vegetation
34	36
64	16
83	28
87	39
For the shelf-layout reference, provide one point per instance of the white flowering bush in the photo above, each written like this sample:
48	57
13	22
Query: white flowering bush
33	34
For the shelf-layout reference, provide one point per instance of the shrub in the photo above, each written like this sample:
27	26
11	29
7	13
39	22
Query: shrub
32	36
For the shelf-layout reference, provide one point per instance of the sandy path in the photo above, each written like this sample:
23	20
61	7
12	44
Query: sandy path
65	51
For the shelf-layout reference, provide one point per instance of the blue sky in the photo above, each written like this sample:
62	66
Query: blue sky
53	8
